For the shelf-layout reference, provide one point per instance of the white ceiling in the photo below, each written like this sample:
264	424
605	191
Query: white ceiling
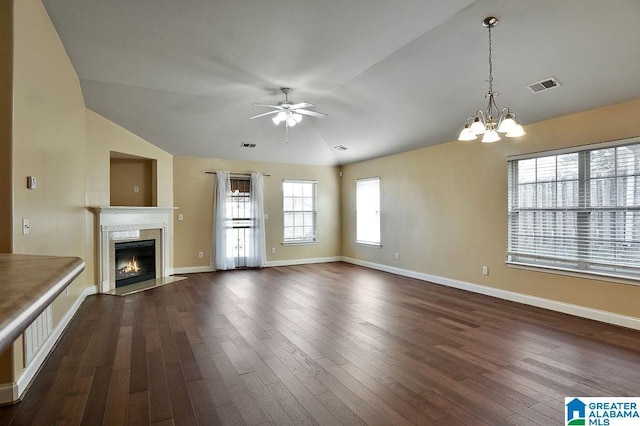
392	75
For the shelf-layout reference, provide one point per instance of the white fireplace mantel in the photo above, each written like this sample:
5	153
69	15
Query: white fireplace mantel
120	220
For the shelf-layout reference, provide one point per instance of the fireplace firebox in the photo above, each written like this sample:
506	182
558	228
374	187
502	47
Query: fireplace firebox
135	261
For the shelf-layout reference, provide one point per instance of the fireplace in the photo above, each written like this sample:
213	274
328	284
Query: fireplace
118	225
135	261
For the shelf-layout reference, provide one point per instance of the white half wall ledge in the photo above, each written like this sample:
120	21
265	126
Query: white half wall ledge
11	393
553	305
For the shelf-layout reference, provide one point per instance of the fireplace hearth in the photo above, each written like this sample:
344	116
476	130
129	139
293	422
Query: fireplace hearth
135	261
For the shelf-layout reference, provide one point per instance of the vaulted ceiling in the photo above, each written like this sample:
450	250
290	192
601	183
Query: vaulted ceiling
391	75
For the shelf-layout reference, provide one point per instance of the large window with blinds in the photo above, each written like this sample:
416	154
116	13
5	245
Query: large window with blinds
577	210
299	209
368	211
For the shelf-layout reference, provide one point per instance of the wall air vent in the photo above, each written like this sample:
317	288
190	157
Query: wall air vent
340	148
542	85
247	145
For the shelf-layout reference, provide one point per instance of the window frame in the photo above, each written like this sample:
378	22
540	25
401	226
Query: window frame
378	213
586	262
302	240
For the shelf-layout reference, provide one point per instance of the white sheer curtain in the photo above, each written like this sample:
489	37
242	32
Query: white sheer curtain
257	252
222	243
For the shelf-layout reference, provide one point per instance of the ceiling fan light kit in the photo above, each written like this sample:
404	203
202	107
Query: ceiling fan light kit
492	121
287	112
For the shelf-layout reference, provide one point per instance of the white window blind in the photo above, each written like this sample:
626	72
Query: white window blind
299	208
577	210
368	211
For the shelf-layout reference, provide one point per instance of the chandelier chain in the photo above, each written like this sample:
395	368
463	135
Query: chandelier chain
490	64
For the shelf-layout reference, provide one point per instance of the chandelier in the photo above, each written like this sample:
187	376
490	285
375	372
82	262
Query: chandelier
493	120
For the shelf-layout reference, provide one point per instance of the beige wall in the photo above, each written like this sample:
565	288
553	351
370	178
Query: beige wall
193	191
6	121
127	174
66	146
444	209
49	143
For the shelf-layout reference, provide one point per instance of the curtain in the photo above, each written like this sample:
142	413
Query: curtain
257	252
222	243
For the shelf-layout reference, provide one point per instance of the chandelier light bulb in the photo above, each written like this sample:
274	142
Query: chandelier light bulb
297	117
507	125
490	136
467	134
478	127
517	131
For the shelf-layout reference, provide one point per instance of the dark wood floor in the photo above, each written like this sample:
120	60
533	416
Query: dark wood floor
322	344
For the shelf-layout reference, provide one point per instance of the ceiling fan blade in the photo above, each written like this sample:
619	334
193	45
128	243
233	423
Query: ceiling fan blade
301	105
311	113
275	111
268	106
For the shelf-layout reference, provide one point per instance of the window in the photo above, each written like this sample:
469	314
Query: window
299	207
368	211
577	210
239	217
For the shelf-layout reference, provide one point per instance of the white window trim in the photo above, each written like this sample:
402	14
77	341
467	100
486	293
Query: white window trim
628	279
377	244
369	244
315	197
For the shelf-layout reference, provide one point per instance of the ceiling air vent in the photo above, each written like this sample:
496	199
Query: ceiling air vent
546	84
247	145
340	148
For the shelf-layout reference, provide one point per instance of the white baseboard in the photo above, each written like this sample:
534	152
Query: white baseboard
13	392
567	308
292	262
287	262
193	270
8	393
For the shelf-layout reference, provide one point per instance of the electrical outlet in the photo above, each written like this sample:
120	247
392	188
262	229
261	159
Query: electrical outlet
180	216
397	256
266	216
32	182
200	254
485	270
25	226
136	189
273	250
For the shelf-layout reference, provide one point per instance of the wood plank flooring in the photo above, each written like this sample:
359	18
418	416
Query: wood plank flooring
324	344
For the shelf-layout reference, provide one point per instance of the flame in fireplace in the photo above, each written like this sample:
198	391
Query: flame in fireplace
131	267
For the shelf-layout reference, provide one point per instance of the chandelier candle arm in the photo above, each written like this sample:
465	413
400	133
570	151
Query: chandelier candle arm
493	120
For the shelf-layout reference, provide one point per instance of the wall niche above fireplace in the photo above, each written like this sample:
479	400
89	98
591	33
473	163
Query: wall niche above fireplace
132	180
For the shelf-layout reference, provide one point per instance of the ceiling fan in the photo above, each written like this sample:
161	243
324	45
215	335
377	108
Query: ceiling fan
287	112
